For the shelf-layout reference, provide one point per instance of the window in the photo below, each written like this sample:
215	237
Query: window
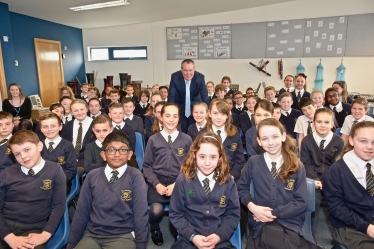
117	53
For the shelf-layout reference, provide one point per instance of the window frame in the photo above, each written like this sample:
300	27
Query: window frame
112	49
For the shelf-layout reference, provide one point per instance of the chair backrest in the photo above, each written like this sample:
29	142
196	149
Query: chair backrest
338	131
61	235
74	190
236	238
139	150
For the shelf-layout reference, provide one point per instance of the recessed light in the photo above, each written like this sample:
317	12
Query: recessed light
100	5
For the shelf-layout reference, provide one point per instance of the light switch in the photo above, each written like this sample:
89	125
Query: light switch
5	38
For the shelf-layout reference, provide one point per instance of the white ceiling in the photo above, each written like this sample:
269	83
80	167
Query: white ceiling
139	11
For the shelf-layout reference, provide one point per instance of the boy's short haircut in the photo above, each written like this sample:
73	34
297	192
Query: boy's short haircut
203	104
163	87
102	119
219	88
146	92
79	101
249	88
115	105
22	137
85	84
63	98
304	102
114	91
129	86
238	92
6	115
210	82
128	100
268	88
283	95
276	105
116	137
317	91
93	99
361	101
49	115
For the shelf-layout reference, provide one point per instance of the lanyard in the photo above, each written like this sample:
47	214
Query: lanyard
17	109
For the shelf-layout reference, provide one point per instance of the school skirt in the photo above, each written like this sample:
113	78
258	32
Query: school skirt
155	197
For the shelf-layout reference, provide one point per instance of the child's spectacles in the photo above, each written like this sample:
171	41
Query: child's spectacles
112	151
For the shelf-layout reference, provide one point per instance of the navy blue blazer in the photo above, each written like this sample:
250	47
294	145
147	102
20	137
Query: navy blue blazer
177	90
67	134
295	104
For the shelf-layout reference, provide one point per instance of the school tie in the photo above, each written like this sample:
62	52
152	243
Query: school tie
93	117
50	147
78	144
219	134
369	180
239	109
114	176
199	128
288	90
309	127
187	111
298	96
144	106
287	114
206	186
273	169
252	120
322	144
169	140
31	172
162	127
3	141
354	122
334	109
66	120
118	127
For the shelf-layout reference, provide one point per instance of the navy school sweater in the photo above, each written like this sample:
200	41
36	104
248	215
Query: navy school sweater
192	131
6	157
148	122
129	131
28	199
253	148
92	157
295	104
290	121
112	209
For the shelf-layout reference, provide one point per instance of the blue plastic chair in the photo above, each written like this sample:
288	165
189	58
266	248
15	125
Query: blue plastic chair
166	208
139	150
61	236
74	190
338	131
236	238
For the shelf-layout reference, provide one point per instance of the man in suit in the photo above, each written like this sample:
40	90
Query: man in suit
194	82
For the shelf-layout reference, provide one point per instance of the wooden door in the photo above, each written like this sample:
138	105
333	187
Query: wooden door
50	70
3	88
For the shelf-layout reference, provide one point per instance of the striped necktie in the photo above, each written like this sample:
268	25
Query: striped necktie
287	114
219	134
78	144
3	141
298	96
309	127
114	177
206	186
369	180
288	90
118	127
50	147
66	120
252	120
169	140
273	169
31	172
322	144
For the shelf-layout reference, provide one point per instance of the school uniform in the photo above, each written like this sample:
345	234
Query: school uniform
6	156
349	100
303	93
289	121
192	211
80	96
211	97
239	109
288	201
26	201
126	129
233	149
341	111
318	161
105	102
140	109
63	153
67	118
133	97
351	207
70	132
194	129
148	122
235	120
285	89
302	124
246	121
136	123
92	157
349	121
93	116
229	93
110	212
252	146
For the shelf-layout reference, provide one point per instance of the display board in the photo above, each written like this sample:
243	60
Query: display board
248	40
182	43
215	42
325	37
360	35
285	39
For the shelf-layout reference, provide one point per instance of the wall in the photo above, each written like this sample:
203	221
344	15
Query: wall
157	69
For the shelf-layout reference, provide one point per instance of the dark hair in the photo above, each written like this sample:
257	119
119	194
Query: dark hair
283	95
128	100
6	115
156	127
55	106
223	107
253	97
24	136
187	61
65	97
291	77
49	115
102	119
226	78
330	89
266	105
300	75
343	85
219	87
276	105
93	99
116	137
163	87
305	102
21	96
249	88
114	91
144	91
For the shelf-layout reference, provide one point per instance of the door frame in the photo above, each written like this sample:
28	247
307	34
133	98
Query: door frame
3	87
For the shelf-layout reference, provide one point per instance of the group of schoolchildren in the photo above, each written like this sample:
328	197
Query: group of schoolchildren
203	175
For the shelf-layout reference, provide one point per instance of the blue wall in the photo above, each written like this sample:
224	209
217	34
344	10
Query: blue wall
22	31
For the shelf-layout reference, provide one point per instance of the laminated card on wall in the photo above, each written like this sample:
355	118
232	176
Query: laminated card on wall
215	42
182	43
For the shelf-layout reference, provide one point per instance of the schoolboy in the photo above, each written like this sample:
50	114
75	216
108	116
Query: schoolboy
341	110
200	114
270	93
101	127
239	106
360	108
6	128
130	93
84	92
277	111
304	124
142	106
105	100
164	91
56	149
249	92
117	114
135	121
114	98
94	107
27	191
289	115
112	202
66	103
220	91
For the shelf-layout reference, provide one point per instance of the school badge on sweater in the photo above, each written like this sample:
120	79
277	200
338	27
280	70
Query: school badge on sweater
126	195
47	184
290	185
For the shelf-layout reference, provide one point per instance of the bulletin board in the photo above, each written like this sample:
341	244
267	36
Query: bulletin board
325	37
285	39
215	42
182	43
360	35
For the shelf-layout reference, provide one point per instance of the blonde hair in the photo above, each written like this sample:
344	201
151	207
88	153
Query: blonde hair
67	88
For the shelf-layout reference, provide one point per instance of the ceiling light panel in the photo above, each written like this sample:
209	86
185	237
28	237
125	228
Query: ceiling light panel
100	5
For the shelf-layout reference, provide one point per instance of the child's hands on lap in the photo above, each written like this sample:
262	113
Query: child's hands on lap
161	189
202	242
169	189
214	238
39	238
261	214
18	241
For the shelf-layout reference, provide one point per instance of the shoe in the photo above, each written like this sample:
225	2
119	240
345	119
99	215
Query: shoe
157	238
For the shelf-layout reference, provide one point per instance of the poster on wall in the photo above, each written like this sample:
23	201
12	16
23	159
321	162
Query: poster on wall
215	42
182	43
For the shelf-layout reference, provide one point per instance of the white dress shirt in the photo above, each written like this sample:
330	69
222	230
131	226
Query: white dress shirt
85	125
36	168
108	171
357	166
202	177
